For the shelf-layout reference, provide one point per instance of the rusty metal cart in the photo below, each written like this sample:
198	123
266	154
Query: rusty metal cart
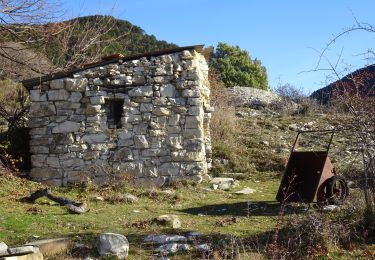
310	176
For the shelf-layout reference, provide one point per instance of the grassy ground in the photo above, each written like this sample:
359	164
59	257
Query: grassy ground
260	152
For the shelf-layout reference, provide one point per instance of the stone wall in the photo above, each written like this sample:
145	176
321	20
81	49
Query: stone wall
161	134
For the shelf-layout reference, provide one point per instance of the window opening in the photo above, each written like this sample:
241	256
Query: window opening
114	108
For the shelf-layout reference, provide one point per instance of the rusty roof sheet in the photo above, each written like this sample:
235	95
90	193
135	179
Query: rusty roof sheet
30	83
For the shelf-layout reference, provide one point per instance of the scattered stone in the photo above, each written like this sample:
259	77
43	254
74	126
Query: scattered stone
163	239
98	198
128	198
23	250
76	209
329	208
245	191
241	114
32	256
172	221
168	248
110	244
203	248
51	246
3	248
222	183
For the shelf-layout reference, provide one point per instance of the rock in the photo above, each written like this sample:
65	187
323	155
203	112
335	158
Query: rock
3	248
110	244
66	127
329	208
37	95
193	235
168	91
241	114
246	190
222	183
94	138
140	141
265	143
172	221
98	198
32	256
163	239
23	250
142	91
55	95
203	248
57	84
183	247
51	246
76	209
129	198
168	248
78	85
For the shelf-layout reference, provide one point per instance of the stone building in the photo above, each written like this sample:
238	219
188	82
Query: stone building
144	117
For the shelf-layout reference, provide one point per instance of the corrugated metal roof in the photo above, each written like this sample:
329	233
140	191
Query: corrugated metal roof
30	83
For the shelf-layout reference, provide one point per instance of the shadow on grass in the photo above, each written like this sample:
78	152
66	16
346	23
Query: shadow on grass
253	208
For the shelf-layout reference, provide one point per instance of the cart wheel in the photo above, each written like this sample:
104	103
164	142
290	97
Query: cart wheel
337	190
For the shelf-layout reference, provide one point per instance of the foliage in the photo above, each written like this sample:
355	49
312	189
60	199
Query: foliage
294	101
14	102
237	68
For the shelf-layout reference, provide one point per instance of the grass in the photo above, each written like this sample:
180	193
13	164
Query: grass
259	151
199	210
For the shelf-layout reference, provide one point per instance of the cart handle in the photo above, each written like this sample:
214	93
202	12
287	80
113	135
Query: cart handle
332	132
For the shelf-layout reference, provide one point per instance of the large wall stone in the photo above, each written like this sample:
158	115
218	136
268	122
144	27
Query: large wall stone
146	118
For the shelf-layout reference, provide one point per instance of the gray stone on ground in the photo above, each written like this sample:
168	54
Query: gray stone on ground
170	248
203	248
222	183
193	235
172	221
162	239
129	198
110	244
245	191
76	209
31	256
23	250
51	246
329	208
3	248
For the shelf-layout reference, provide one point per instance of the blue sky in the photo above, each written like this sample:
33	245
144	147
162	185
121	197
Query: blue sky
285	35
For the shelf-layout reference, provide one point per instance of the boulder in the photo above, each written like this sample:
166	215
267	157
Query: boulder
110	244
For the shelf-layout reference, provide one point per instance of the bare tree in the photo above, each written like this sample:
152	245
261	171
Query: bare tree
29	34
356	93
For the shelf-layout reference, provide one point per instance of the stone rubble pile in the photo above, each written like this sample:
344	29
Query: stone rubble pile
251	97
147	118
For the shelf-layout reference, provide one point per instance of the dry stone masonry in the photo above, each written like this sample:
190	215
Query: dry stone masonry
145	118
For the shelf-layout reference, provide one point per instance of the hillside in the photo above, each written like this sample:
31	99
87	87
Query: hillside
361	80
68	44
